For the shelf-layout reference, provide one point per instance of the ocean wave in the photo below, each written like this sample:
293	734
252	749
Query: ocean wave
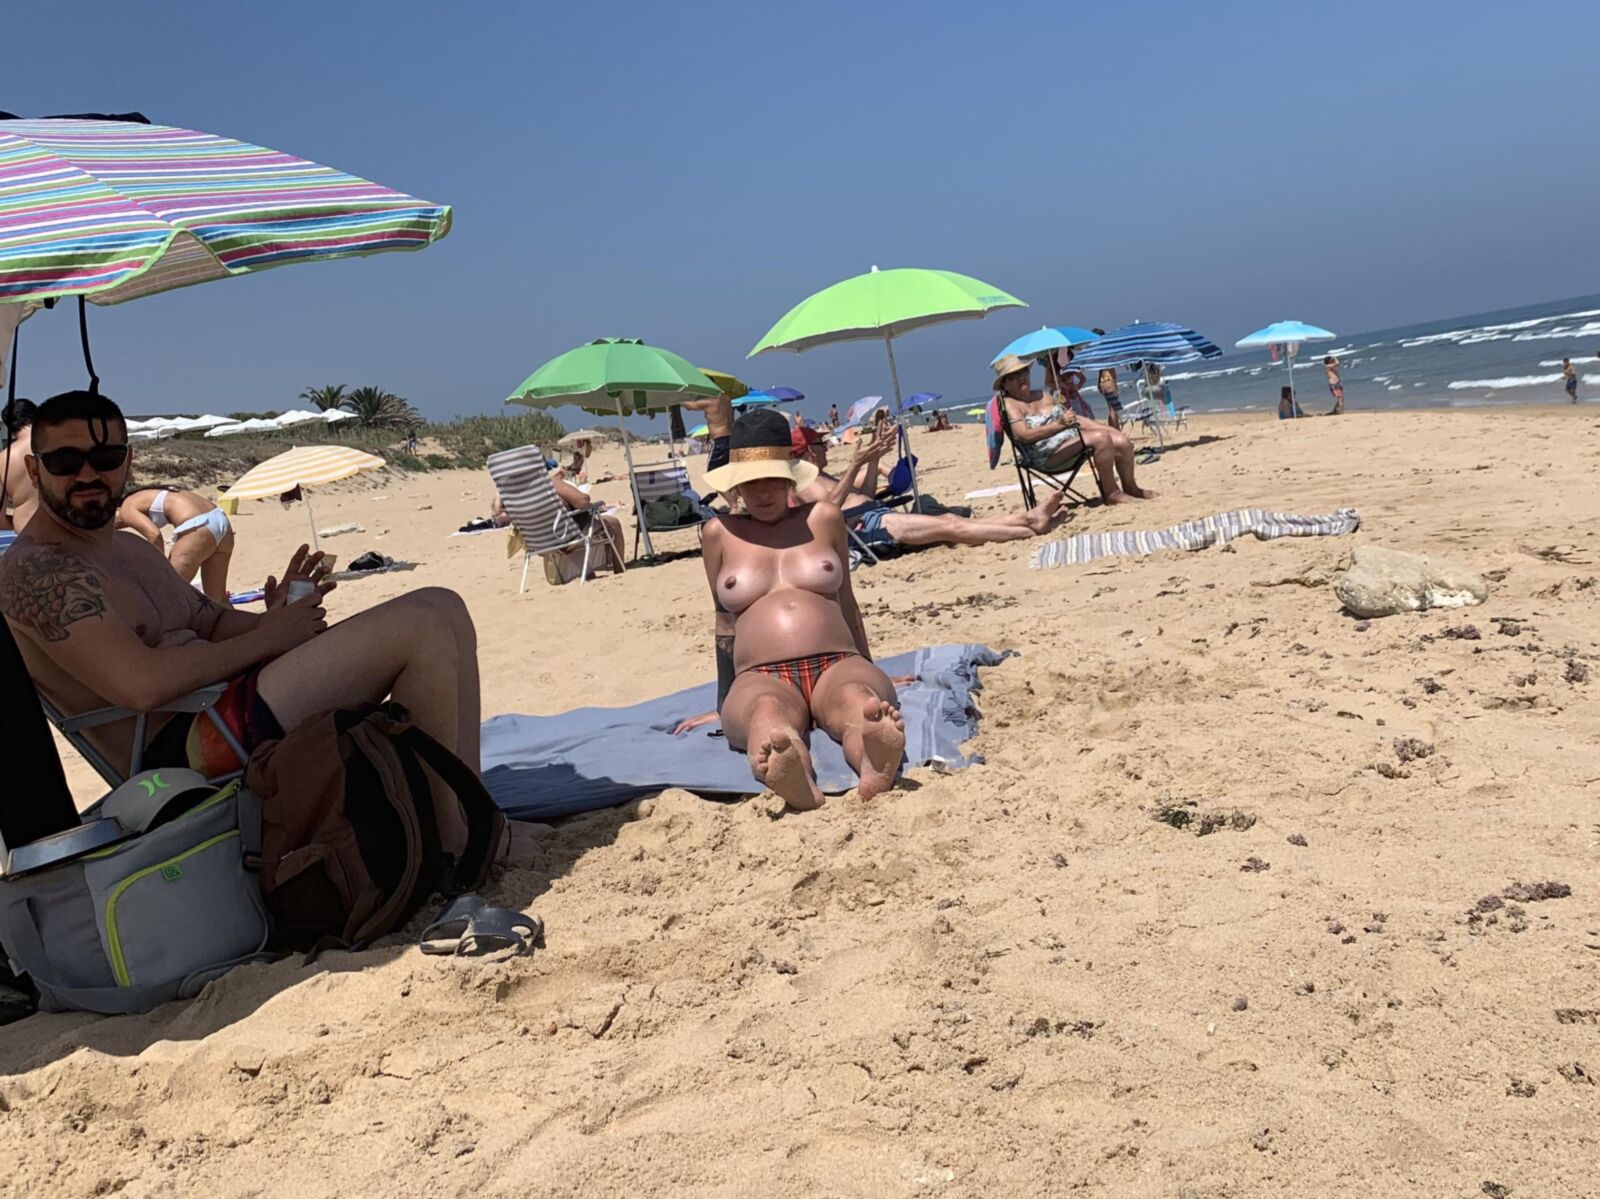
1502	383
1589	329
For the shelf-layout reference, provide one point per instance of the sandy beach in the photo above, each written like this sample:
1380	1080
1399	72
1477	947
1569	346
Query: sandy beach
1194	928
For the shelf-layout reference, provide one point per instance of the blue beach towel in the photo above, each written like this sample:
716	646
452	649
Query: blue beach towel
541	767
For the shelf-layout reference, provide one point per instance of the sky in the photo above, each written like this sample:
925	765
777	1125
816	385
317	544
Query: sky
685	173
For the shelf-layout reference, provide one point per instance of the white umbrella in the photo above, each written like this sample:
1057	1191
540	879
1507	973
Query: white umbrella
295	417
254	425
334	415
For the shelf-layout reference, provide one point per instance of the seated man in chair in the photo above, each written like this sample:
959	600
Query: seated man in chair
103	621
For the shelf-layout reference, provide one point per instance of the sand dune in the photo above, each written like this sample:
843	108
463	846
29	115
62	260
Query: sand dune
1096	963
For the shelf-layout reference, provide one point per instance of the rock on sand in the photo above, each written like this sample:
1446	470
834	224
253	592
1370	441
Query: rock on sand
1381	582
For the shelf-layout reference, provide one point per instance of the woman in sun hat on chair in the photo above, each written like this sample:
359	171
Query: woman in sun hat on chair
800	651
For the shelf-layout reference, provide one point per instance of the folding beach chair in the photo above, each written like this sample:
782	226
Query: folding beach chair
544	523
1062	477
73	728
665	502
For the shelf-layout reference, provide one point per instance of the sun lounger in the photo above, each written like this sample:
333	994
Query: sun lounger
541	767
542	521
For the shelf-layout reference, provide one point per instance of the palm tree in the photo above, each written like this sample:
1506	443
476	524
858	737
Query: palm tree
324	398
375	408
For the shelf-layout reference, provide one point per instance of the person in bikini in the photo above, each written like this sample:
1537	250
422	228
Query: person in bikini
202	538
1107	387
800	651
103	620
1049	436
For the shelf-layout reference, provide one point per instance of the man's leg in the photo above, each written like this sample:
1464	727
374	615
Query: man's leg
913	528
419	650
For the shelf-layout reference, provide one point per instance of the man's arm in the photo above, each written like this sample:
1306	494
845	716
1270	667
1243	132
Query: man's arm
699	405
55	598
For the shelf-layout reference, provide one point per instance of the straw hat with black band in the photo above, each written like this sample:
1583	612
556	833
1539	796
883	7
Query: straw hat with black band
1007	365
760	448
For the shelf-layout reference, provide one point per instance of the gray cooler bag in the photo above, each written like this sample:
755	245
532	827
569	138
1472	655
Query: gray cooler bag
148	919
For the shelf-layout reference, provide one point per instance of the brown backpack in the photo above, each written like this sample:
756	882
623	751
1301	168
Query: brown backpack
353	837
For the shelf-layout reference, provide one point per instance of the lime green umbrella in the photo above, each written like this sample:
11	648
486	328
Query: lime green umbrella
615	375
883	305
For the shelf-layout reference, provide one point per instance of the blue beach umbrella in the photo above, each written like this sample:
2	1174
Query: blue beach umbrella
922	399
1146	341
787	394
860	410
1289	335
1042	341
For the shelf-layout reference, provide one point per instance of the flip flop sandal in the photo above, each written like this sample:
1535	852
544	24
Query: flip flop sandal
489	929
444	934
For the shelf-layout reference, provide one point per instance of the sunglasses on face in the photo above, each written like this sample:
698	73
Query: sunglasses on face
69	461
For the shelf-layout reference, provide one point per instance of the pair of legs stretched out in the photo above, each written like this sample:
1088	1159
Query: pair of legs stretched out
767	716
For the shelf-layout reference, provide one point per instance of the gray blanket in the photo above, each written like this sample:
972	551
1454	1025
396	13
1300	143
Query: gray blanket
540	767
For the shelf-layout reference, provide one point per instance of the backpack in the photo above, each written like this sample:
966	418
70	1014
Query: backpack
353	837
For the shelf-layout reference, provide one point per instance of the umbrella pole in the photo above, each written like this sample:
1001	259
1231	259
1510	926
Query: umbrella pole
1288	361
894	378
633	482
312	516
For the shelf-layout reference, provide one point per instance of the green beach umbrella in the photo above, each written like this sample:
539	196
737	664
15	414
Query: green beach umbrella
881	305
615	375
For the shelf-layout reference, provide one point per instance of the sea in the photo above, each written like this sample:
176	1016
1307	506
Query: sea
1493	358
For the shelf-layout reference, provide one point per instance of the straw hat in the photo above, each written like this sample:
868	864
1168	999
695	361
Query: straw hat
1009	364
760	448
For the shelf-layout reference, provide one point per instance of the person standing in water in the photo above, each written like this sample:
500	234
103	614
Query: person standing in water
1330	367
1569	375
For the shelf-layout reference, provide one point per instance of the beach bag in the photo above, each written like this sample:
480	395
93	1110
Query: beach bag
668	511
353	837
152	917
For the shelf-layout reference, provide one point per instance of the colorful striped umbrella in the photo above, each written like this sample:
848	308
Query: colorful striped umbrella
114	210
303	466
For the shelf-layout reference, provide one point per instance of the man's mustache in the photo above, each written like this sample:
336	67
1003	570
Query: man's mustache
87	488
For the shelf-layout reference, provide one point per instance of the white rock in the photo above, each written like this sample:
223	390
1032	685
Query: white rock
1382	582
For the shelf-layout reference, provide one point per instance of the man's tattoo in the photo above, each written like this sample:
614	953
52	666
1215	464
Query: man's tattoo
46	589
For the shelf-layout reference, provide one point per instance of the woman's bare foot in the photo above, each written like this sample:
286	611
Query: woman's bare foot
782	764
1042	516
1115	497
1140	493
883	744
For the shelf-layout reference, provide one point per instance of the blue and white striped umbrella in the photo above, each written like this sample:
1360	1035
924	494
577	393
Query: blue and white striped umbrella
1146	341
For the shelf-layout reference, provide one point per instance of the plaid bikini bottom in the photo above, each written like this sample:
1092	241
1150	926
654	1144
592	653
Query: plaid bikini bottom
802	673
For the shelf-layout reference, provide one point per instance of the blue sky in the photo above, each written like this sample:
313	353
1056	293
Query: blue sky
685	173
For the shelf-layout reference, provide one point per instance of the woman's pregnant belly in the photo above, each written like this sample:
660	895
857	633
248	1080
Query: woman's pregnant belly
789	623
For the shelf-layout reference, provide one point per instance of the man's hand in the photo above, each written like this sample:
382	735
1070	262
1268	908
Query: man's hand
694	722
878	446
286	626
304	566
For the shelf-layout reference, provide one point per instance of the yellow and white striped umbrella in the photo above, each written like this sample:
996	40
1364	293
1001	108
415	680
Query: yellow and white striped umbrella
303	466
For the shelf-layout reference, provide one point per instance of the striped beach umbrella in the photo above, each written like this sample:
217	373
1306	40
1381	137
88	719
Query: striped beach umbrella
1145	341
303	466
111	210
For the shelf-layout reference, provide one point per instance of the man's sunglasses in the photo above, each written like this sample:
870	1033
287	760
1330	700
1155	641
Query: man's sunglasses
69	461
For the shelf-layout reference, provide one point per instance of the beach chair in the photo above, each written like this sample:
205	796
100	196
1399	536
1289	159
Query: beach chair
545	525
1061	478
196	702
665	502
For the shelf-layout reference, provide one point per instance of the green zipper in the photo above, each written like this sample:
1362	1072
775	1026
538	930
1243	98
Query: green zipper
226	793
118	966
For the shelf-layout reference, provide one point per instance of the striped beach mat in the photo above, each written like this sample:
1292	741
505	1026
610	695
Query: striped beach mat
1194	535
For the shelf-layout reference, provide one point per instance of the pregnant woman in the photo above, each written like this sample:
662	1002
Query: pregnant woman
800	652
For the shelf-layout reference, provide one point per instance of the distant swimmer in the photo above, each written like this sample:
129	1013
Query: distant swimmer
1569	374
1330	367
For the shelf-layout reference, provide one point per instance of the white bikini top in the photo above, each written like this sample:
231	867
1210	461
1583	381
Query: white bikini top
158	509
802	567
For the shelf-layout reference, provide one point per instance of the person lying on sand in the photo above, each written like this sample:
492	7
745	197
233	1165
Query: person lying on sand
881	526
104	620
202	538
800	651
1048	436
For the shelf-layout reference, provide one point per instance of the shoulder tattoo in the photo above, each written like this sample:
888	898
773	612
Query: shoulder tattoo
46	589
